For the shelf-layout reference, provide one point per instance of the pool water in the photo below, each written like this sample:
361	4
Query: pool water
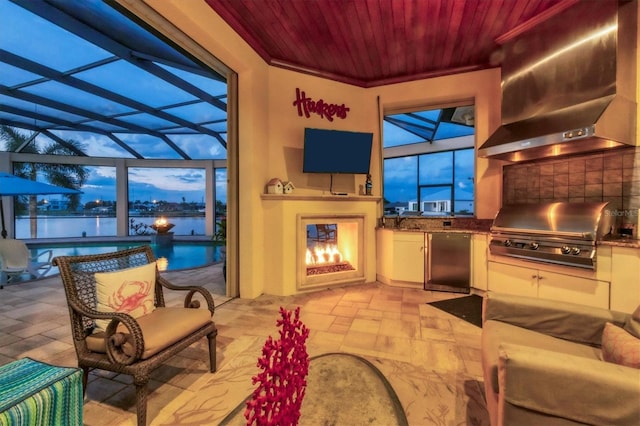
178	255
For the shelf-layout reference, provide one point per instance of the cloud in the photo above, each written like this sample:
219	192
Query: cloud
169	179
147	184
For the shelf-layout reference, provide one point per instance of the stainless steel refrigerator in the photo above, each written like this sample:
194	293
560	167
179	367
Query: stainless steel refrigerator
448	262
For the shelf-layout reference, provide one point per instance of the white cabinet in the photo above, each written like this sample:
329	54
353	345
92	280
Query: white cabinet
479	249
408	257
625	279
384	253
400	258
568	288
510	279
538	282
615	284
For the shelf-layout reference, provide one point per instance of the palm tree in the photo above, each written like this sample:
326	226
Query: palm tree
66	175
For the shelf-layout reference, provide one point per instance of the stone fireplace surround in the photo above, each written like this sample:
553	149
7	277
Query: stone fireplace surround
283	217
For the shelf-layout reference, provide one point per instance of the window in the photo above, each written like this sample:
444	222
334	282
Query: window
90	214
429	162
136	98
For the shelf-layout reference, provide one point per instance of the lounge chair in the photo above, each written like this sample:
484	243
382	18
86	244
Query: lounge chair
134	333
16	260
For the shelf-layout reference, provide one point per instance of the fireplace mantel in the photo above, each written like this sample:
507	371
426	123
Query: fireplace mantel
329	197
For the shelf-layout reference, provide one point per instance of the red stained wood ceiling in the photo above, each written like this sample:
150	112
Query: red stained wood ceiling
374	42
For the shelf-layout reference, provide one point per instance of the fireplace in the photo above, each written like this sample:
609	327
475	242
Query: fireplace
330	250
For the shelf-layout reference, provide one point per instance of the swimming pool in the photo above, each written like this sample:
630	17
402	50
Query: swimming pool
178	255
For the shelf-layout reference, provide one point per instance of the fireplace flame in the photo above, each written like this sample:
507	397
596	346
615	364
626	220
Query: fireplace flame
323	255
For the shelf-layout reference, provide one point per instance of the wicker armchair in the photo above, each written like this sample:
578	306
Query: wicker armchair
121	348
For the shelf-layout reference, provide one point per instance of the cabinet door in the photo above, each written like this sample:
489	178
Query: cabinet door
568	288
408	256
625	284
384	255
479	262
511	279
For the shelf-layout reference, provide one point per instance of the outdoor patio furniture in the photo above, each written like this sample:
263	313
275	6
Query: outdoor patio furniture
16	261
547	362
129	345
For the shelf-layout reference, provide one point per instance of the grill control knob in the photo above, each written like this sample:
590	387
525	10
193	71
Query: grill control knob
575	250
565	249
533	245
507	243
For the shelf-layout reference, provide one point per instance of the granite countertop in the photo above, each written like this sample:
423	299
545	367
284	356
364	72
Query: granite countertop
621	242
431	224
615	242
432	231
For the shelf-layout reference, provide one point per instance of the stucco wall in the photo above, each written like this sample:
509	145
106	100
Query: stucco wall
286	128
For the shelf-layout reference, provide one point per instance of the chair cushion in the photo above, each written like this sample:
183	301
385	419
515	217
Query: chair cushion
620	347
160	329
131	291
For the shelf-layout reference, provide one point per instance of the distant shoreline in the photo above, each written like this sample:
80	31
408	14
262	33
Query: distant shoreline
154	214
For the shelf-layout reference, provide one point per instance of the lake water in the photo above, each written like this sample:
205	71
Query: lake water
97	226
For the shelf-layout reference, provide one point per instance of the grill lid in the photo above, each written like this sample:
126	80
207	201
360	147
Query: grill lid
586	221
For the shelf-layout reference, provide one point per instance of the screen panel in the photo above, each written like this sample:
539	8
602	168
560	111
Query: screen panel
336	151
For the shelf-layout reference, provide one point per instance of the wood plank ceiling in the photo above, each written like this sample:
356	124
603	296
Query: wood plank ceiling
375	42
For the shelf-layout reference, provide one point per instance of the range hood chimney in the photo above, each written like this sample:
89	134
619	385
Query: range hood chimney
568	84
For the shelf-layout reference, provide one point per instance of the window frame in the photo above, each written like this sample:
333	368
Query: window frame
426	148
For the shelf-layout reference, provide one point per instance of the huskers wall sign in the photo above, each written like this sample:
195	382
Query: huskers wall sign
307	106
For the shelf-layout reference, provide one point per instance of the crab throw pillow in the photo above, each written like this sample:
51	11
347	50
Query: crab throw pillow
131	291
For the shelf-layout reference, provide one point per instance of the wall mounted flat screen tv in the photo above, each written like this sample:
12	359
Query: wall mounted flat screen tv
336	151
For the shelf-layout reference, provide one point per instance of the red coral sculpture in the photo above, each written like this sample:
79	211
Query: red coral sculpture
283	380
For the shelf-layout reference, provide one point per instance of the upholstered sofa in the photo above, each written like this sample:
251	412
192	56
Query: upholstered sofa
544	363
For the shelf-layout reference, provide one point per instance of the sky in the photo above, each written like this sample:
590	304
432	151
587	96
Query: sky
146	184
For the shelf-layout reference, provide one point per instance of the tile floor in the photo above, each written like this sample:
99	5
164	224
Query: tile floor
370	320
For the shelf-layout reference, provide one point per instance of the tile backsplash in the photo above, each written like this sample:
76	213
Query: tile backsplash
612	176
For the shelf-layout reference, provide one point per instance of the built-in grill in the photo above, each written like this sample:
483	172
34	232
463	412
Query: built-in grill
560	233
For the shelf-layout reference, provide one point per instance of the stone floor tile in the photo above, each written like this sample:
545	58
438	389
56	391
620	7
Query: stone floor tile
371	320
365	326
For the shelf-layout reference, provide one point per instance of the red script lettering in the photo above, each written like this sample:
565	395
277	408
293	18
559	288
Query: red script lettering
307	106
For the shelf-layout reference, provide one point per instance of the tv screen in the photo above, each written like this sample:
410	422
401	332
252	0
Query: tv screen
336	151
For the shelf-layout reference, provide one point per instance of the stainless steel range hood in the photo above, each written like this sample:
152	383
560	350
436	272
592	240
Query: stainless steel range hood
568	84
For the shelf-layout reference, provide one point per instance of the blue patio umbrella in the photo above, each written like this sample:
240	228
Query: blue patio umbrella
11	185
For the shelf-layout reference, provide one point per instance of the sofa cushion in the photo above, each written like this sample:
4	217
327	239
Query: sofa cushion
495	333
160	329
569	321
620	347
564	389
131	291
632	324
